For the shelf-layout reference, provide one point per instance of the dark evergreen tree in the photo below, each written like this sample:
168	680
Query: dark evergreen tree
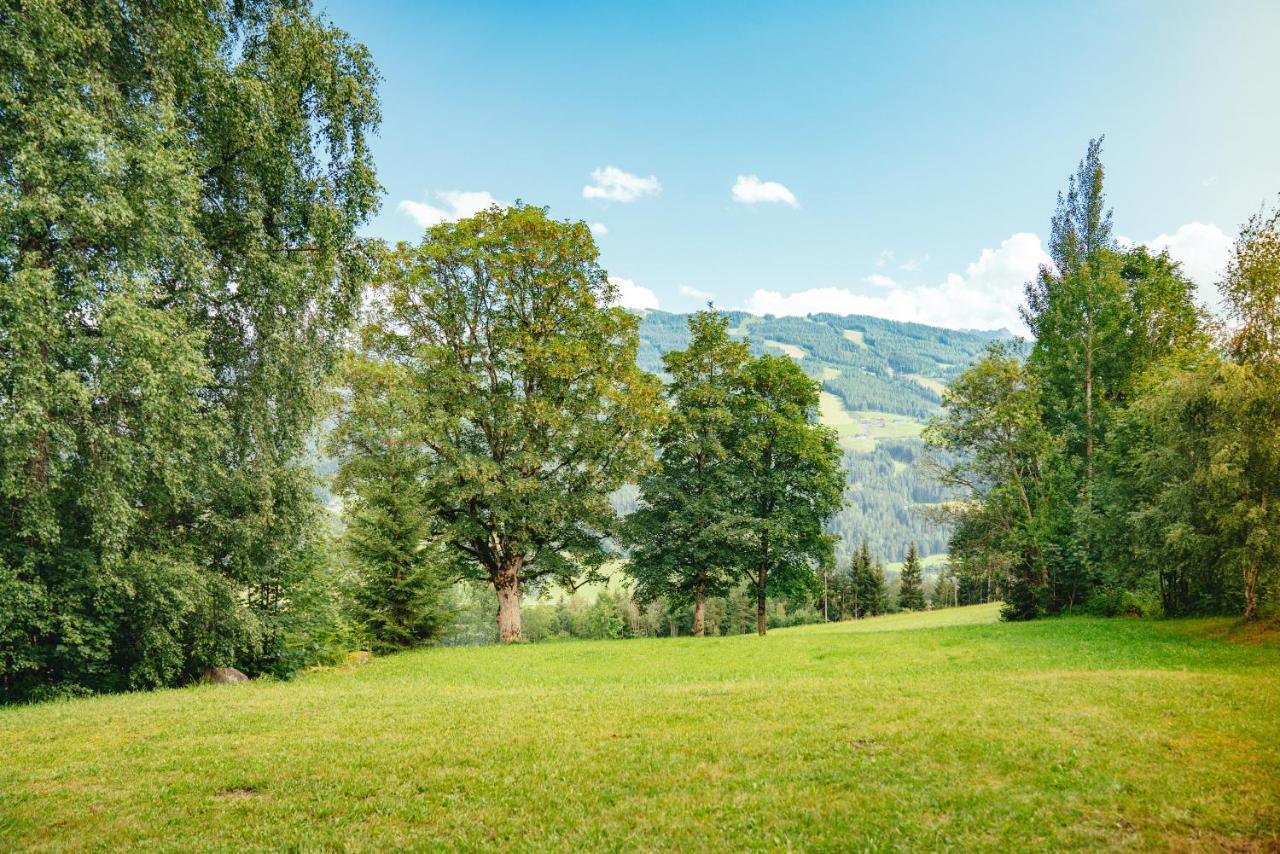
680	536
867	587
910	583
399	565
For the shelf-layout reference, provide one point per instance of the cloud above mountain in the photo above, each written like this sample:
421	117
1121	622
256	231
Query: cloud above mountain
633	296
985	296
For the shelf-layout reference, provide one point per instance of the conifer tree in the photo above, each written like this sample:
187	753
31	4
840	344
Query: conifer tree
399	564
910	586
866	592
681	534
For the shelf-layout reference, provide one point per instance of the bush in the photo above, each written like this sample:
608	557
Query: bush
1118	602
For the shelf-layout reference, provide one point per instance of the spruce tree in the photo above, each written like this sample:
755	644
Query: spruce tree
866	589
879	588
680	536
910	589
398	563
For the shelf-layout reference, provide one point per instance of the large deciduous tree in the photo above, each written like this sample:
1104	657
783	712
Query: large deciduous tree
680	536
1202	475
999	453
180	188
787	481
530	405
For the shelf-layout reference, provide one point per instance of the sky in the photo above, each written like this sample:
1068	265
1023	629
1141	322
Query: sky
895	159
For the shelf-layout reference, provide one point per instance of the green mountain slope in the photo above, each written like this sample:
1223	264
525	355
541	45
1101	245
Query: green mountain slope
881	380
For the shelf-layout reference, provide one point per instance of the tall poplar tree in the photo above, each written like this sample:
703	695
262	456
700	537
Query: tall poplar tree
1101	316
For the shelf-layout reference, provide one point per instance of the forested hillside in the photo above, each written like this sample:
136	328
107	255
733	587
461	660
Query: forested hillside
881	379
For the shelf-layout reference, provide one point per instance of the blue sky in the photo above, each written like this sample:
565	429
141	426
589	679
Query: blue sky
896	159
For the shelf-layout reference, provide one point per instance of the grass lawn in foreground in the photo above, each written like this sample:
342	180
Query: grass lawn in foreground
910	731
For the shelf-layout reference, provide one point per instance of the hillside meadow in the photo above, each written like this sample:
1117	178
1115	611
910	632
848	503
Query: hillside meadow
924	730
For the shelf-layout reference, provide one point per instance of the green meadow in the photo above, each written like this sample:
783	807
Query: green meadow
924	730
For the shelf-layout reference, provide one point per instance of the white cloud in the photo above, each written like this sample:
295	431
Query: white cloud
913	264
694	293
886	257
750	190
880	280
599	229
631	295
985	296
458	204
614	185
1202	250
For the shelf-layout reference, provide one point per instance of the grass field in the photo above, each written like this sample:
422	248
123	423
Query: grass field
914	731
858	430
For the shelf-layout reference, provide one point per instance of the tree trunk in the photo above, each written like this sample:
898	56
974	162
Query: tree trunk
1250	592
699	611
507	584
825	585
761	627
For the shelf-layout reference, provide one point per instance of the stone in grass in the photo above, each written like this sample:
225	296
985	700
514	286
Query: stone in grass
223	676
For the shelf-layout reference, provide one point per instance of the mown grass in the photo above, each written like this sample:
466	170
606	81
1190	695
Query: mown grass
859	430
914	731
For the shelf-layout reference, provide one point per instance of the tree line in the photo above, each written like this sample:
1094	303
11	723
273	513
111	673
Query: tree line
493	402
1128	461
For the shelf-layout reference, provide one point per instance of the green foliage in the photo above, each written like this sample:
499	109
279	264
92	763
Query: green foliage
786	481
682	534
399	564
747	480
1127	467
869	365
526	395
943	594
859	590
991	423
180	190
910	584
